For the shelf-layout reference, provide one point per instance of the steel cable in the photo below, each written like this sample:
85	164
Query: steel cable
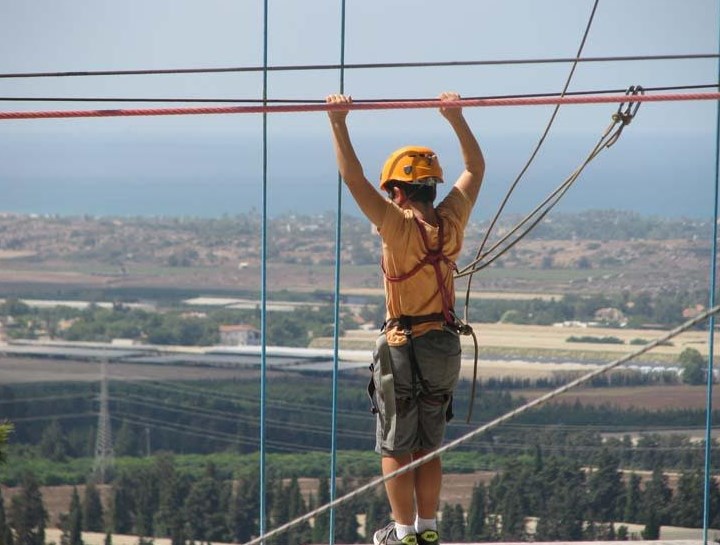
607	139
355	66
370	106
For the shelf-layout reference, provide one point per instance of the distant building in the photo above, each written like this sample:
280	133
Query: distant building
693	311
611	315
239	335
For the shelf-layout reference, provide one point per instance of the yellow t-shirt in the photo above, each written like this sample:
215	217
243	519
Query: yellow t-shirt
403	248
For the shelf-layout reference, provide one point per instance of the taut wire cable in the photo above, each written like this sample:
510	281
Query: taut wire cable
189	100
395	105
336	309
711	324
357	66
529	162
488	426
263	283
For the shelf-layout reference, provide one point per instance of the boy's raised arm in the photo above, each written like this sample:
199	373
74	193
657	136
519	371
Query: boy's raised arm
369	200
471	178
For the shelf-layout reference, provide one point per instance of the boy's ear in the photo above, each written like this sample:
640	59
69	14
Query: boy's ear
399	194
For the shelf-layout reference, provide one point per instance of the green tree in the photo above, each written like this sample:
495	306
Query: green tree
72	522
377	511
447	523
92	509
687	502
605	488
321	529
693	366
145	500
6	428
6	536
656	498
562	509
296	507
28	516
475	529
346	528
126	442
631	509
123	505
243	520
651	531
169	517
509	498
53	443
206	506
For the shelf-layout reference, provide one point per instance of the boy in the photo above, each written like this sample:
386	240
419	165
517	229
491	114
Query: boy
417	358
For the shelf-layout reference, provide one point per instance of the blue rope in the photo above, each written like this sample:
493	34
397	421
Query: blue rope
336	329
263	284
711	328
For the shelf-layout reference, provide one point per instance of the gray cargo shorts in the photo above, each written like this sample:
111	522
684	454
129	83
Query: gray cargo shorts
407	423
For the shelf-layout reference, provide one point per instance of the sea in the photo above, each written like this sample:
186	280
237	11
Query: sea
115	175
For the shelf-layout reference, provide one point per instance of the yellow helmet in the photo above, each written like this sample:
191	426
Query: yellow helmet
412	165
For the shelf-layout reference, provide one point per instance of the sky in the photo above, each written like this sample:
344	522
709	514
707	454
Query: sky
212	165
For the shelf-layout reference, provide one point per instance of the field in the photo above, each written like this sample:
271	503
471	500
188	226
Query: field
652	398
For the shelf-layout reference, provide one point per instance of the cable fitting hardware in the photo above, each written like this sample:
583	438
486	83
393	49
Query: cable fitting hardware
625	113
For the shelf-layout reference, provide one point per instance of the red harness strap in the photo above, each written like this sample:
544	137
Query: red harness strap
432	257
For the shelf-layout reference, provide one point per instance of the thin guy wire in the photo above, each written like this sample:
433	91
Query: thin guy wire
711	324
356	66
549	202
336	309
488	426
538	213
534	153
263	281
322	101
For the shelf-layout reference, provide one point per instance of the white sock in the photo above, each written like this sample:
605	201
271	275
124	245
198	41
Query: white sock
401	530
425	524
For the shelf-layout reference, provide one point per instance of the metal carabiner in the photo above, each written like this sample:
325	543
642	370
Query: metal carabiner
626	115
631	107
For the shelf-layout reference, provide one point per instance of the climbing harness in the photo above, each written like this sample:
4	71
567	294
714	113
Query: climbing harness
433	257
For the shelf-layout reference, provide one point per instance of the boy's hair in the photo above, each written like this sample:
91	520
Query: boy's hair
416	193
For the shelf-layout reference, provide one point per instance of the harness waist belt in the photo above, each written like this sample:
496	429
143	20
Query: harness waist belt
409	321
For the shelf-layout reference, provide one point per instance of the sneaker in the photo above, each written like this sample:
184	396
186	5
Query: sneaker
428	537
387	536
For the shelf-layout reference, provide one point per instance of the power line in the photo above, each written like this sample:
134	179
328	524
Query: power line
66	416
235	418
207	434
236	398
359	66
81	396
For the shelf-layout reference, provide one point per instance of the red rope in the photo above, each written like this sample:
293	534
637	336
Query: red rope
480	102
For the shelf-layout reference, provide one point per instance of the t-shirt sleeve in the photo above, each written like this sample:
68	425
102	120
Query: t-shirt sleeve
457	206
393	221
